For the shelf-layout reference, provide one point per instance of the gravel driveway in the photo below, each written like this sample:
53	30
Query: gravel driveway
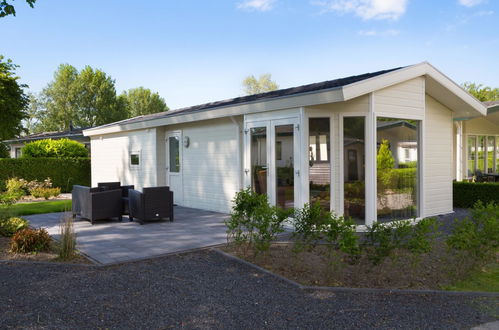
206	290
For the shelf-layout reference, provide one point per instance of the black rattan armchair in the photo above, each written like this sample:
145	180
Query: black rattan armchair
93	204
155	203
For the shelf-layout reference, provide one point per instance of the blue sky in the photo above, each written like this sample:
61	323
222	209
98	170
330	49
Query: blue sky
196	51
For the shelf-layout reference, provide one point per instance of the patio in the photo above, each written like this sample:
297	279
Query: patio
109	242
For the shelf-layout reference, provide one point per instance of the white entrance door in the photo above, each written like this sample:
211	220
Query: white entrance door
174	165
272	160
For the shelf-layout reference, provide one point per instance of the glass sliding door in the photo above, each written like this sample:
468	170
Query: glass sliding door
491	143
354	191
284	166
471	155
397	167
258	159
319	161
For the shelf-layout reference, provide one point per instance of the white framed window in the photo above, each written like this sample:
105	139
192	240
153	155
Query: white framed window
134	159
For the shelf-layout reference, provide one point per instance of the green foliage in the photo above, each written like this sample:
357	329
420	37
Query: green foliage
481	92
45	192
13	101
8	9
466	194
4	152
478	236
309	223
15	185
30	240
67	248
254	222
37	207
263	84
7	199
64	172
340	233
11	225
86	98
384	165
382	239
141	101
62	148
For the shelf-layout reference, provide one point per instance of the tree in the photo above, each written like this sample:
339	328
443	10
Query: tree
86	98
33	112
482	93
263	84
8	9
141	101
13	101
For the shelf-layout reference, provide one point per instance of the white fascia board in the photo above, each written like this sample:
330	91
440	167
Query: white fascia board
422	69
279	103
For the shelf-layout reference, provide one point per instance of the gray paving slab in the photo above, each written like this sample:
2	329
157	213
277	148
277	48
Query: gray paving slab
112	241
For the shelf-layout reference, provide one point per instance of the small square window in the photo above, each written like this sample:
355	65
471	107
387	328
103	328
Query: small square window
134	159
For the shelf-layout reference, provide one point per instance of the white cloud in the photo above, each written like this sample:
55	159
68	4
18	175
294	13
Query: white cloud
259	5
375	33
367	9
470	3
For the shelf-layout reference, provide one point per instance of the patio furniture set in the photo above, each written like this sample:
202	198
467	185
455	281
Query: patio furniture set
112	200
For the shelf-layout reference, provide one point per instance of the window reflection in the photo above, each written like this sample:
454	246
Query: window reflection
319	162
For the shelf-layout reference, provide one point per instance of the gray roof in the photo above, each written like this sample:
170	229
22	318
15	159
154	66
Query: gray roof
492	106
325	85
71	134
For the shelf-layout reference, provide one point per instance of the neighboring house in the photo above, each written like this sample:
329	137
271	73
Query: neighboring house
315	142
477	143
16	145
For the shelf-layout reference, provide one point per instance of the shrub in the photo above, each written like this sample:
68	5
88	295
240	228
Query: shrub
62	148
10	226
67	248
9	198
64	173
309	224
253	221
4	152
30	240
45	192
340	232
466	194
16	186
478	236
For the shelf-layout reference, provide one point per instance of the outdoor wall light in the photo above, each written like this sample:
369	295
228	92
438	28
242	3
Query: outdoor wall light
187	141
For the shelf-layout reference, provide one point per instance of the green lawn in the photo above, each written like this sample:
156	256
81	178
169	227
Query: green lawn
38	207
486	280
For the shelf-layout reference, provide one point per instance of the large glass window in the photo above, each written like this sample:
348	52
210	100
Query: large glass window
491	143
259	159
471	155
354	168
319	162
174	153
481	154
284	166
397	168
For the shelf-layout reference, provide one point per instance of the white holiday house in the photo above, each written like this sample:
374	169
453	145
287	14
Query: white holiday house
375	146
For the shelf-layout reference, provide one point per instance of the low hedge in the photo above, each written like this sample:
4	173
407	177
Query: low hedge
64	172
466	194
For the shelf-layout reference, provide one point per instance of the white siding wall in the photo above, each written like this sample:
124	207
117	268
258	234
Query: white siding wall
438	158
402	99
210	164
111	153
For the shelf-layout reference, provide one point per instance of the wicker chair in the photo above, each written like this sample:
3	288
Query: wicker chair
93	204
155	203
109	185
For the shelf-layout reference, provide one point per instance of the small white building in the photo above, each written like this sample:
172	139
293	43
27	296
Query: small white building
375	146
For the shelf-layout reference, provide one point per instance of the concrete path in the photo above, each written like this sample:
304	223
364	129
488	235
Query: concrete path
110	242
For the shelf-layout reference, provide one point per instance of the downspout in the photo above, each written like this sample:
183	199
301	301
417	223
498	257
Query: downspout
239	152
459	150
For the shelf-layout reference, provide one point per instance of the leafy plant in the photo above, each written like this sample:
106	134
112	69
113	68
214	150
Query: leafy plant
466	194
309	223
378	243
30	240
62	148
10	226
45	192
340	232
254	222
16	186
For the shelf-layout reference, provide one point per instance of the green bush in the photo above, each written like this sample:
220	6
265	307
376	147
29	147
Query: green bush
254	222
48	148
30	240
16	186
309	223
10	226
4	152
45	192
340	233
63	172
466	194
478	236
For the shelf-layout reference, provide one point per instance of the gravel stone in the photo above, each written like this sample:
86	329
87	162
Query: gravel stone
206	290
